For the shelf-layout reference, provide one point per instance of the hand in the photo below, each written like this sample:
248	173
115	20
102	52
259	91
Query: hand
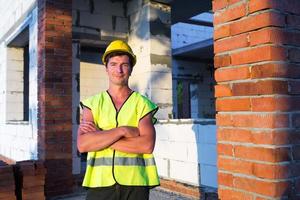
130	131
87	126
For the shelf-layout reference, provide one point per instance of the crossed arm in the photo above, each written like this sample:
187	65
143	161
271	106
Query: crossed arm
125	138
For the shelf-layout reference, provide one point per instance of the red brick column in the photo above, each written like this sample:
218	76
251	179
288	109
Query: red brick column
55	93
257	61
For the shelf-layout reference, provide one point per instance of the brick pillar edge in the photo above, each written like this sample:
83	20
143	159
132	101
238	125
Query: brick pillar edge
257	69
55	94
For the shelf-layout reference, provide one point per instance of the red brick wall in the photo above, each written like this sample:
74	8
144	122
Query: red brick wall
257	55
55	93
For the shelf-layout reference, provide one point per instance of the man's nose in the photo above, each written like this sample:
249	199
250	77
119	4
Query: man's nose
120	68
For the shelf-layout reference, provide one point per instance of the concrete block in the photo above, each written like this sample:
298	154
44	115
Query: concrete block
96	20
14	97
183	133
10	129
134	6
178	151
161	45
162	149
161	80
164	113
162	167
157	94
122	24
184	172
207	134
207	154
14	86
192	152
12	116
162	132
15	54
82	5
108	7
209	175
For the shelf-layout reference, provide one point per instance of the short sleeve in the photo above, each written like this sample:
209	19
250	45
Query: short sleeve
148	107
87	103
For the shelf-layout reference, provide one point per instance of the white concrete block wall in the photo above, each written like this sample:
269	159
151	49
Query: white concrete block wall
93	79
185	151
14	80
185	34
18	139
157	77
105	15
12	12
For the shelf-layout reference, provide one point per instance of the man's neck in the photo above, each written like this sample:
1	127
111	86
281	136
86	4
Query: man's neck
119	92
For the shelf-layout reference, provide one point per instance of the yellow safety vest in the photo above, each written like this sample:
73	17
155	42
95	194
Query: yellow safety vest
108	166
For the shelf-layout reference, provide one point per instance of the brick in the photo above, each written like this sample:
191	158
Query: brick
257	5
223	90
259	88
296	120
218	4
225	179
31	181
271	171
261	120
234	135
294	87
294	137
224	120
271	137
294	55
296	152
225	149
231	43
259	170
262	154
258	21
228	194
266	35
291	6
252	55
233	104
270	70
298	185
271	189
229	74
182	188
293	21
221	32
232	13
221	61
235	165
275	104
274	36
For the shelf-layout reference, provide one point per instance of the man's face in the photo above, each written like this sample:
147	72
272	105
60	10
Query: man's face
118	69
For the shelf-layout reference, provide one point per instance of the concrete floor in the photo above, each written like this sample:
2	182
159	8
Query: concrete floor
155	194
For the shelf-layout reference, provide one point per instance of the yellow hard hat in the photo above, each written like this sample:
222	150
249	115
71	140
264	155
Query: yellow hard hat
118	46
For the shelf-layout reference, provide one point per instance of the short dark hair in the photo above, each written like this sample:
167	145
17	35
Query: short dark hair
119	53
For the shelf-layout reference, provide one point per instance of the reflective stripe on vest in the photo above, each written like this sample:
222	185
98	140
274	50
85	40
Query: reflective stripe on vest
122	161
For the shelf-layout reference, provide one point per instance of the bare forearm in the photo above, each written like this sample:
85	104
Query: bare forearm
94	141
140	144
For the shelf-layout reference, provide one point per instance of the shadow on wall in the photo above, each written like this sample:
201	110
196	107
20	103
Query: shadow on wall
205	132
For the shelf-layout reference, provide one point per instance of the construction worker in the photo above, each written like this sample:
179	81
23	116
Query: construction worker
117	130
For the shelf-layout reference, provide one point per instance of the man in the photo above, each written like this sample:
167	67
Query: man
118	133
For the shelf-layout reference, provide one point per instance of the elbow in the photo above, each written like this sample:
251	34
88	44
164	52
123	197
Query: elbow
81	147
148	149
